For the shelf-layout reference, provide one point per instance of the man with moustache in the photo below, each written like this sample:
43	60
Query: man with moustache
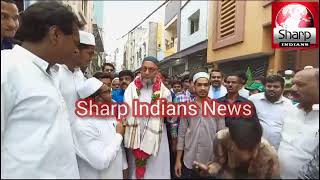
300	132
69	77
36	140
9	23
271	108
196	135
234	82
104	77
217	90
125	78
147	135
109	69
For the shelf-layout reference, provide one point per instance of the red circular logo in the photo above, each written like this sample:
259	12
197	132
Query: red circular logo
294	16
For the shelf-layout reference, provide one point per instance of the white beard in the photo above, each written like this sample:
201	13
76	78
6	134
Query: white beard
148	82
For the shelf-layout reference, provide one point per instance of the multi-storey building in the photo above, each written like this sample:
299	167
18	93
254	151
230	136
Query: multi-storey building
240	35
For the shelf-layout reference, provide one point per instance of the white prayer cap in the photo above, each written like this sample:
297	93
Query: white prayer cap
200	75
87	38
88	87
288	72
308	67
114	79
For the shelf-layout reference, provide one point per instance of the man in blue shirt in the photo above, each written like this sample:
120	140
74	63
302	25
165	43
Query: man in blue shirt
125	77
9	23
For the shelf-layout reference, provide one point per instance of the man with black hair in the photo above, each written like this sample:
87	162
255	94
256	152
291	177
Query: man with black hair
147	135
36	138
138	73
185	82
125	78
105	78
300	131
217	90
243	91
181	97
241	152
196	135
108	68
69	78
271	108
234	82
9	23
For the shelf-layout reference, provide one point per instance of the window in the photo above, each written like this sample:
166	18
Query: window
229	23
194	22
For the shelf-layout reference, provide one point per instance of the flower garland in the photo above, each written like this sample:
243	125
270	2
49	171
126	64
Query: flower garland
141	156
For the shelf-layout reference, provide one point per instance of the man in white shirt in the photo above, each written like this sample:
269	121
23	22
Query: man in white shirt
69	78
36	140
217	90
271	108
98	139
300	132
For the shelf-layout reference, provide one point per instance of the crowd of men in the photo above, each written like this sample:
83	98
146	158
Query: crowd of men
41	136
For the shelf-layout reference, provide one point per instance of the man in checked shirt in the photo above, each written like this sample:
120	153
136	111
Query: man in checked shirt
181	97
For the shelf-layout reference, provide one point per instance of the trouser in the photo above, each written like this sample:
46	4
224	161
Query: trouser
187	173
172	154
191	174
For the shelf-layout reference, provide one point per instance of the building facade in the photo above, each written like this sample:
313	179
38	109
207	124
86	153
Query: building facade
240	36
141	42
187	29
97	30
82	8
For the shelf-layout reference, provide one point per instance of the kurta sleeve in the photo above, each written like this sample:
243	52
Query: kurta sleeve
92	148
8	93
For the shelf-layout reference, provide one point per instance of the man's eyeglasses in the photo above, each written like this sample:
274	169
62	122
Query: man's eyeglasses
150	69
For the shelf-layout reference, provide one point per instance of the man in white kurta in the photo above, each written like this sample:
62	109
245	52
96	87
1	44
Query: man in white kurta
69	78
300	132
217	90
36	140
158	166
97	142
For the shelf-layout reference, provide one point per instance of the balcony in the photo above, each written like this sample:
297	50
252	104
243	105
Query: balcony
171	38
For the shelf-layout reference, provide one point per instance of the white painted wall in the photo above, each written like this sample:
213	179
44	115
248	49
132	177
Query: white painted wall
187	40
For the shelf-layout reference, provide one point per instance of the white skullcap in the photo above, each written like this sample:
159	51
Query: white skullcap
87	38
308	67
88	87
115	79
288	72
200	75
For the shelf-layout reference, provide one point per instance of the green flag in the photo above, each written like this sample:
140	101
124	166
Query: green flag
249	77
